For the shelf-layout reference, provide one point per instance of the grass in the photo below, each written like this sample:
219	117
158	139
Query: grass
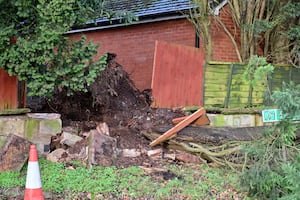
179	182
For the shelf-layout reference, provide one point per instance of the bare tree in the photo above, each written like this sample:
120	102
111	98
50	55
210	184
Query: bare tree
200	18
267	27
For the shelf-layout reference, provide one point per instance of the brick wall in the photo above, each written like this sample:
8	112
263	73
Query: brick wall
135	44
223	49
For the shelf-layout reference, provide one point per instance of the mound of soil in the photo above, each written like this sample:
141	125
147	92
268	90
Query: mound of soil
113	99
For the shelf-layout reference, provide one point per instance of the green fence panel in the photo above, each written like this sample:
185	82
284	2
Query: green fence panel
225	87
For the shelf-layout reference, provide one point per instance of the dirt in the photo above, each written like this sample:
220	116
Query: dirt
115	100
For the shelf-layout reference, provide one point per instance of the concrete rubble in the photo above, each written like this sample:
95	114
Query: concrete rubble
57	155
155	152
95	147
102	149
69	138
131	153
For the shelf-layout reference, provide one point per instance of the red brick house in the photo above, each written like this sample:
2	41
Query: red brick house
162	20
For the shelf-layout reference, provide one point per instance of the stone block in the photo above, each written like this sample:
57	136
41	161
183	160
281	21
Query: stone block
12	125
31	128
243	120
35	127
49	123
14	153
58	155
70	139
102	149
258	120
216	119
237	120
50	126
131	153
40	127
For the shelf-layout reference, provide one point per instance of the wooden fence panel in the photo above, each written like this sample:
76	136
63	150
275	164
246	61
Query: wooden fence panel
8	91
225	86
177	76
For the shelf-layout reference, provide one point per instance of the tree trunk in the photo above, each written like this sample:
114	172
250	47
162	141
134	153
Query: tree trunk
200	18
213	135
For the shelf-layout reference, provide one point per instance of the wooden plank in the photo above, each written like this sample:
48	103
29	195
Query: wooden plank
239	94
239	81
8	91
239	87
244	101
218	94
212	69
238	71
215	87
178	127
177	79
216	73
214	80
258	94
295	75
217	66
259	89
214	101
229	82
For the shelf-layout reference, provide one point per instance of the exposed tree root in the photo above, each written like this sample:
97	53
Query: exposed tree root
223	155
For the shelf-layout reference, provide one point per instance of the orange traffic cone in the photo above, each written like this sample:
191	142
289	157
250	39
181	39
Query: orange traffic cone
33	190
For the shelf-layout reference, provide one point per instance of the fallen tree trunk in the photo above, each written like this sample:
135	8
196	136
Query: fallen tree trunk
215	135
218	135
221	145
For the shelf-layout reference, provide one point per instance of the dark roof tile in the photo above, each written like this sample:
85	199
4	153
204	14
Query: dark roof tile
149	7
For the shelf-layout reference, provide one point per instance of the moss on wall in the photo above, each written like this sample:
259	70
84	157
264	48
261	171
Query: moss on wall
31	128
2	140
50	126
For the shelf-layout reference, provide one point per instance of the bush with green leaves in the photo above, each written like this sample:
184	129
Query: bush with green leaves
257	70
34	47
275	169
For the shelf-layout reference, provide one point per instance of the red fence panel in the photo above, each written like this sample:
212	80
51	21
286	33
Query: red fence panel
177	78
8	91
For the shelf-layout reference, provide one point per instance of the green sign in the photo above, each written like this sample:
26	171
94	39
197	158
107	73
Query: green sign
271	115
274	115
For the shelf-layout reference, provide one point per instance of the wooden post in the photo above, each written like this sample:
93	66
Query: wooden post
178	127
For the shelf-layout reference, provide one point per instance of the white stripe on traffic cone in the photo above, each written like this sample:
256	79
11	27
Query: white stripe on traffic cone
33	190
